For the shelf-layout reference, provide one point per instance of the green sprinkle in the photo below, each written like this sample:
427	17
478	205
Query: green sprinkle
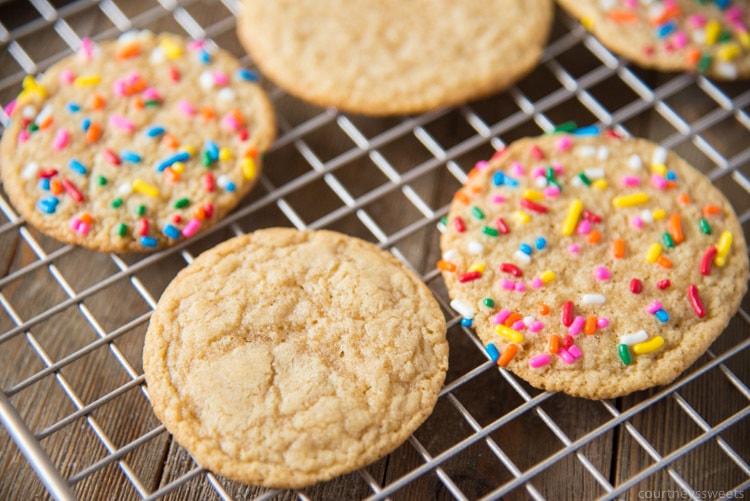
117	202
206	159
487	230
549	173
182	203
704	63
140	210
477	212
705	227
444	220
568	126
33	127
584	178
101	180
624	352
667	238
121	229
725	36
488	302
152	103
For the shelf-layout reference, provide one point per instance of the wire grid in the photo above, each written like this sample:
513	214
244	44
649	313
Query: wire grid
576	79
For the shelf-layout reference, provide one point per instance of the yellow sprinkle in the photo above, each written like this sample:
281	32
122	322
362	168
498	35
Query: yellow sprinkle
744	39
712	31
30	85
728	51
660	169
722	248
587	23
649	346
599	184
659	214
477	267
171	49
178	167
571	218
225	154
190	149
141	186
533	195
630	200
547	276
87	80
522	217
248	168
653	253
509	334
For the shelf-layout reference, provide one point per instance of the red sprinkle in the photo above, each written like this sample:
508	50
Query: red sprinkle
707	260
533	206
536	153
111	157
47	173
591	217
502	226
208	209
636	287
459	225
695	301
72	190
143	227
174	74
567	341
209	183
663	284
469	276
512	269
567	313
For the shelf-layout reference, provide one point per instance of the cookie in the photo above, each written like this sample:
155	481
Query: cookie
284	358
385	57
136	143
591	264
672	35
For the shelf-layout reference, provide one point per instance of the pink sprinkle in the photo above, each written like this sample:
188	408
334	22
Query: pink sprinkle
654	307
536	153
537	283
558	168
584	228
151	94
602	273
120	88
697	20
574	249
575	351
220	78
67	76
658	182
61	140
10	107
631	4
680	39
733	13
498	199
576	326
536	326
87	48
668	47
23	136
196	44
84	228
520	287
75	223
538	361
537	172
481	165
517	169
499	153
551	191
518	325
121	123
508	285
630	181
191	227
636	222
230	122
186	108
564	143
602	322
501	317
565	355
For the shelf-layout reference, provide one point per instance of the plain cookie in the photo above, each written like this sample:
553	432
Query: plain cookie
675	35
135	144
593	265
284	358
384	57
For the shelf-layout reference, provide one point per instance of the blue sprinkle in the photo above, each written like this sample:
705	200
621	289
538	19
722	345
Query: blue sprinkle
85	124
525	248
591	130
722	4
48	204
498	179
148	241
230	187
492	352
172	232
466	322
666	29
212	149
77	166
541	243
182	156
511	182
662	315
44	183
130	156
671	175
247	75
72	107
155	130
204	57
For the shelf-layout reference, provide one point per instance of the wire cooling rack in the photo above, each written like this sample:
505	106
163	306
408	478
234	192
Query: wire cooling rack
74	404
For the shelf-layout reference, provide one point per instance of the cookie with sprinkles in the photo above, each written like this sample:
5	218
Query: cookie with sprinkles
709	37
386	57
136	143
284	358
592	264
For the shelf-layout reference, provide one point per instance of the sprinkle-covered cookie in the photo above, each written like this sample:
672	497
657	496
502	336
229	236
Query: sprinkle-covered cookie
383	57
285	358
591	264
708	37
135	144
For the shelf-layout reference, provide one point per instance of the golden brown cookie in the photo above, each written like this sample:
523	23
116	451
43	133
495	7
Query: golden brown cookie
593	265
135	144
383	57
284	358
673	35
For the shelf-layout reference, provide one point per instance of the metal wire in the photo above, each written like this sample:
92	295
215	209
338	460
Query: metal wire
728	170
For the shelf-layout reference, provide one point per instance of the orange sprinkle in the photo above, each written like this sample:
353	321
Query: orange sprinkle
55	186
475	190
251	152
543	309
171	175
683	198
664	261
128	51
693	56
595	237
674	226
237	116
590	326
665	15
46	122
86	218
623	16
508	353
446	265
618	248
170	141
199	213
513	318
93	133
138	103
553	345
208	112
461	196
711	210
97	102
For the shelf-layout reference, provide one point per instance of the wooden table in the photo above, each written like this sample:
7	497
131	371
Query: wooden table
72	321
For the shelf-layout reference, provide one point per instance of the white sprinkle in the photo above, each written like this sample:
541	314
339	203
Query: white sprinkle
576	181
726	70
128	36
634	338
206	80
125	189
29	171
698	36
450	255
592	299
540	182
586	151
660	156
594	173
602	153
528	320
635	162
522	257
647	216
157	56
28	112
223	181
226	94
462	308
475	247
45	113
